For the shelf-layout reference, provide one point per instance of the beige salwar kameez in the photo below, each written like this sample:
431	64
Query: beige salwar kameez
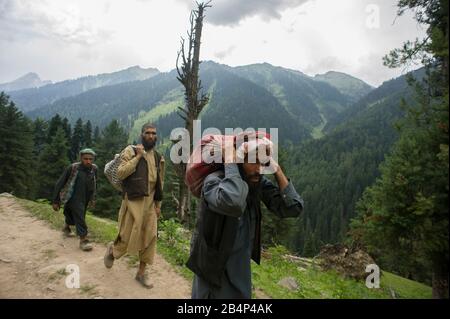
138	223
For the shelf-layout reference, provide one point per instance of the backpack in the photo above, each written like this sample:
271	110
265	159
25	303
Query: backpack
111	174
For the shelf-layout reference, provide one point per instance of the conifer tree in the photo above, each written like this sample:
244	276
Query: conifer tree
52	162
112	140
16	149
407	208
87	134
77	140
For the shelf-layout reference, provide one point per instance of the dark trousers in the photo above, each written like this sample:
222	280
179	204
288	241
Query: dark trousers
76	217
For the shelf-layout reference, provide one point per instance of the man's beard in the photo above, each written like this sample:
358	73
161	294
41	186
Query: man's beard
87	166
253	185
148	145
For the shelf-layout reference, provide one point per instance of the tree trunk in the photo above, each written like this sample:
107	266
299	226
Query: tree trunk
188	76
182	193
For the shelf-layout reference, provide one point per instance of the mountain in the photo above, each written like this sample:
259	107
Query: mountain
234	102
346	84
389	90
259	95
122	101
312	103
237	102
29	99
29	80
332	172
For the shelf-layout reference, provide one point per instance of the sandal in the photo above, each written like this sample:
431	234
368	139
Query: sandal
85	245
143	280
109	257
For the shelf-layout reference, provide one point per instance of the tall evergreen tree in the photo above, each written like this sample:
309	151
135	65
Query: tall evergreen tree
407	208
40	128
52	162
67	128
96	136
40	132
87	134
53	125
16	149
77	140
309	246
113	139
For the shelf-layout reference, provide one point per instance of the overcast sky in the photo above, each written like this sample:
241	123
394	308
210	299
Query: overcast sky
63	39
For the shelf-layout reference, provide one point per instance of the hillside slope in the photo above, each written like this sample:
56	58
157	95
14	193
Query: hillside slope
33	258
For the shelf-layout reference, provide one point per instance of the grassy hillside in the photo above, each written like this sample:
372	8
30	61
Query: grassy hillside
312	282
170	103
346	84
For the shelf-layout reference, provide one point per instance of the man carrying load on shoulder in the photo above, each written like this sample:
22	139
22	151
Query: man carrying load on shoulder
227	234
142	173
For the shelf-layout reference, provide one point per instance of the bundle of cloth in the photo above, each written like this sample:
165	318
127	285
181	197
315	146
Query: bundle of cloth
207	157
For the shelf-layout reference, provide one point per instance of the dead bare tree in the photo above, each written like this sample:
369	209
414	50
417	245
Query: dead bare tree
194	102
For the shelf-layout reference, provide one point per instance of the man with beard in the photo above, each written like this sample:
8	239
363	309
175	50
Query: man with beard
228	230
75	190
142	174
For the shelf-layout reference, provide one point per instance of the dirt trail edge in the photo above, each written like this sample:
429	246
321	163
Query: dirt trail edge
34	257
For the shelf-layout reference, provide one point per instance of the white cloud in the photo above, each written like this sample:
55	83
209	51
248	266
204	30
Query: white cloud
70	38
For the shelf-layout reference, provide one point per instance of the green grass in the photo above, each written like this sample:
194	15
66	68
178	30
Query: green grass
168	104
405	288
173	244
153	115
317	131
318	284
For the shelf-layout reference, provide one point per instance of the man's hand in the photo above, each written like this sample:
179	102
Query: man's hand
140	151
270	168
158	212
56	207
282	180
228	153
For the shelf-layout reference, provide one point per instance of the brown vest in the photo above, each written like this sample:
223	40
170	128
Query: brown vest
136	185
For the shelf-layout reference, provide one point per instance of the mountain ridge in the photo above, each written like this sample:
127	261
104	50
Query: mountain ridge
26	81
32	98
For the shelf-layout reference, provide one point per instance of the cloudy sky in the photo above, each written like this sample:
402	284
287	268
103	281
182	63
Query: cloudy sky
63	39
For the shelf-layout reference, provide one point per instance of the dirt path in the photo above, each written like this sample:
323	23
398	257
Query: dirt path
33	258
